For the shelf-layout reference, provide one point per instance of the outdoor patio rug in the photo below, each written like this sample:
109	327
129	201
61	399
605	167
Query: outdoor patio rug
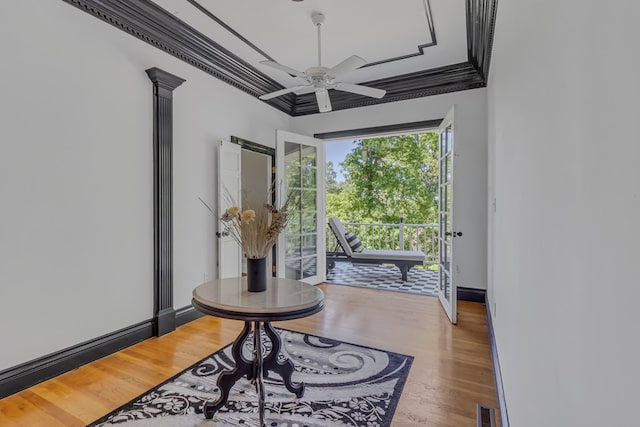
420	281
345	385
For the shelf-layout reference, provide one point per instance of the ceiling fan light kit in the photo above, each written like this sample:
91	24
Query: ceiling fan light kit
321	79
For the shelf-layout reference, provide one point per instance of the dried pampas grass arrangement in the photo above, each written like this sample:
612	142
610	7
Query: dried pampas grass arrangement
256	229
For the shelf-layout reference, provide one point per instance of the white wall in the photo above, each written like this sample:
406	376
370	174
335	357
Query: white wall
564	247
76	238
470	187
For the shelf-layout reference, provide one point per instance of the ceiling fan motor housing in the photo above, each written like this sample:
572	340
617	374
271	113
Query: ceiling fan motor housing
320	79
317	18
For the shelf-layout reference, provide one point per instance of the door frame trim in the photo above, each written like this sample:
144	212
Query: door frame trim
377	130
245	144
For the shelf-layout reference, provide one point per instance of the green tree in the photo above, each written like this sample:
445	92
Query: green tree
339	204
333	186
388	178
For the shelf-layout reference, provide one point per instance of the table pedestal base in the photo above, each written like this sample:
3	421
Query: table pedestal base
256	369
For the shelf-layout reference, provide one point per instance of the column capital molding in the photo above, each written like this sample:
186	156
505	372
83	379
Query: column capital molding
163	79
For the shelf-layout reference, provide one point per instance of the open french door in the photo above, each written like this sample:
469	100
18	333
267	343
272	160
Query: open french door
447	292
300	173
229	192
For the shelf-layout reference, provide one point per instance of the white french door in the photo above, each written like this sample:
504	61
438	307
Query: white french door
447	292
300	173
229	191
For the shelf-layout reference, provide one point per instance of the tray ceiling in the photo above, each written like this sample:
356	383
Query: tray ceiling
396	37
414	48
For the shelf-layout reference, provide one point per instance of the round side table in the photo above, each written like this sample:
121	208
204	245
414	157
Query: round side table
284	299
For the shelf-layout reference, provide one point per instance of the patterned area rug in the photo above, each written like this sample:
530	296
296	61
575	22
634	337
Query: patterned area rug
420	281
345	385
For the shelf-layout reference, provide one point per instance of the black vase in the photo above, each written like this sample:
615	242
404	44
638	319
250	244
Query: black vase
256	274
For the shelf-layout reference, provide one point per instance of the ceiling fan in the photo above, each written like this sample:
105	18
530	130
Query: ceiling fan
320	79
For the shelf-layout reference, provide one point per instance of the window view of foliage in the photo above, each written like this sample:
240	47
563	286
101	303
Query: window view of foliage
385	179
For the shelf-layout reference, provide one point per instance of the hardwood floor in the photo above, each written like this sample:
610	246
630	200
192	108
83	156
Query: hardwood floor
451	373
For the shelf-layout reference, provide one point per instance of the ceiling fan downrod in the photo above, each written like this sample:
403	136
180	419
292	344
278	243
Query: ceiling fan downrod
318	19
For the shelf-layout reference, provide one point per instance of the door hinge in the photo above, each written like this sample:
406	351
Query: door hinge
273	169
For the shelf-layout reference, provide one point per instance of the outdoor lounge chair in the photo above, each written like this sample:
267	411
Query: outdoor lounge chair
353	251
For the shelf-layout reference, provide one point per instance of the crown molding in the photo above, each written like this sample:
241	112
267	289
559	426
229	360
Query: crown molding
481	22
149	22
435	81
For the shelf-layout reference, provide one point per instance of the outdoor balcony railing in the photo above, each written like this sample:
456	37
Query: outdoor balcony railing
410	237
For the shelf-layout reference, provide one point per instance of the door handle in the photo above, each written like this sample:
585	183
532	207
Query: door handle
457	233
223	234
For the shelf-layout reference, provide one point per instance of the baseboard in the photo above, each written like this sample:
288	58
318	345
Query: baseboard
502	404
28	374
165	322
187	314
471	294
23	376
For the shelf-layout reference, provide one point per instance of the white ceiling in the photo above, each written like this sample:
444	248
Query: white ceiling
377	30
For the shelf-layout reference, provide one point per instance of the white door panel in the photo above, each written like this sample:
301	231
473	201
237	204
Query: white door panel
229	191
300	174
447	291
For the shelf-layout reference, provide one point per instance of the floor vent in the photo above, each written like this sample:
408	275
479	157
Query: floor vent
485	416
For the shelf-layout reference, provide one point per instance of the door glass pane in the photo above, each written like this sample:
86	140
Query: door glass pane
309	244
444	199
447	286
293	175
309	178
294	225
294	244
445	218
308	200
308	223
308	156
293	269
291	153
309	267
302	231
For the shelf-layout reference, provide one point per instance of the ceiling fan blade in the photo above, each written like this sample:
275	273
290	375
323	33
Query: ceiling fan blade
306	90
282	92
284	68
324	103
361	90
351	63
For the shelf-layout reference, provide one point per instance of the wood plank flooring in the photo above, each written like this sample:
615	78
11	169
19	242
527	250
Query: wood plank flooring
451	373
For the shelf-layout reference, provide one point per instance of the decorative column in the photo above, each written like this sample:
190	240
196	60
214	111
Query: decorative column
163	85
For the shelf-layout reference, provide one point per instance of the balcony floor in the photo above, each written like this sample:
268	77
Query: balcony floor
387	277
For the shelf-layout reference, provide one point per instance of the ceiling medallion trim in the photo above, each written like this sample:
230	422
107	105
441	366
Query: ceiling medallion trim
149	22
420	48
230	29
